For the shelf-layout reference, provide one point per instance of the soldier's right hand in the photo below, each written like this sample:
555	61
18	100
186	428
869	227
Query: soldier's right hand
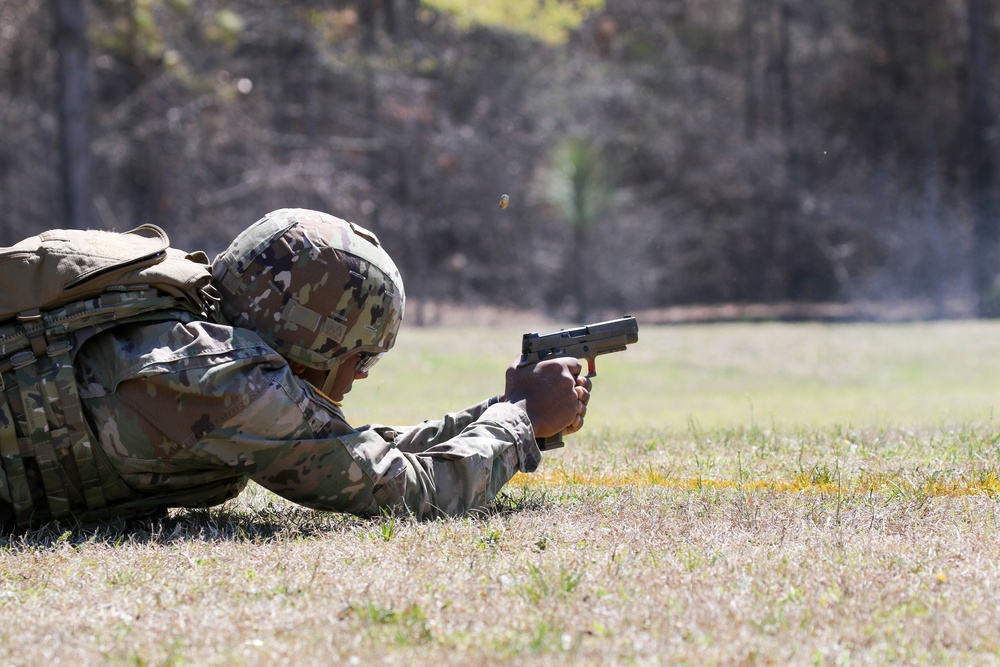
552	393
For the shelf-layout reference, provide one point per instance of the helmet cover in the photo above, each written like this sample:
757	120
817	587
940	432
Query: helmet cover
315	287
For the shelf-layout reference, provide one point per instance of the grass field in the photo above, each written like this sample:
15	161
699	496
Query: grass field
742	494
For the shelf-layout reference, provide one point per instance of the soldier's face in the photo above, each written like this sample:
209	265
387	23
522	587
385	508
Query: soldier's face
350	370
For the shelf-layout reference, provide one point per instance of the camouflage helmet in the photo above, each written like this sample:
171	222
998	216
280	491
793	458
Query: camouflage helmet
316	288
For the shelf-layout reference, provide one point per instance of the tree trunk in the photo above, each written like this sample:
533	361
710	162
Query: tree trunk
581	271
74	135
786	94
747	29
983	176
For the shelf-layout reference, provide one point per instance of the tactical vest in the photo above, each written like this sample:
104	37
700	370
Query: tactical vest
57	290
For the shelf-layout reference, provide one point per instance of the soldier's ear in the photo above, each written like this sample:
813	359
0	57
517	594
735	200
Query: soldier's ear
297	368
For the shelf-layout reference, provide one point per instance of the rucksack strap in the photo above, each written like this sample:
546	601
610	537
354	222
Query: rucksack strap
57	289
49	456
13	484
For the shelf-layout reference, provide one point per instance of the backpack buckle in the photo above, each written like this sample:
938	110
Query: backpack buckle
29	315
55	349
21	359
34	329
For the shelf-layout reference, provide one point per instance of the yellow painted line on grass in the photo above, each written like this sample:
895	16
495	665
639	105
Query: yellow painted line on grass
979	482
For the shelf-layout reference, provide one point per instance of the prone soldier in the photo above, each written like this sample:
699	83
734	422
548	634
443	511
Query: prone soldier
181	411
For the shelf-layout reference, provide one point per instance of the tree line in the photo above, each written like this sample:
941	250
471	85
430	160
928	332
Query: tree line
654	154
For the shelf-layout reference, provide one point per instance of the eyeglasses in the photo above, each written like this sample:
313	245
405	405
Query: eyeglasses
366	360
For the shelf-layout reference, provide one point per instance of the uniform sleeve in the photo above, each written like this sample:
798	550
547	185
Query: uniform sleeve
430	433
178	406
444	467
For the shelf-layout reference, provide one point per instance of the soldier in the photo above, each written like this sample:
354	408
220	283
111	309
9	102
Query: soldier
186	411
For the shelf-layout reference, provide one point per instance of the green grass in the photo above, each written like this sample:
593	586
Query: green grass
742	494
809	375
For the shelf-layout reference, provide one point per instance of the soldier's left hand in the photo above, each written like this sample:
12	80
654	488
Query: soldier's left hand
583	386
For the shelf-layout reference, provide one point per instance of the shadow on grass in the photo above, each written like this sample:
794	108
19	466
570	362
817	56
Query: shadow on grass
239	523
511	502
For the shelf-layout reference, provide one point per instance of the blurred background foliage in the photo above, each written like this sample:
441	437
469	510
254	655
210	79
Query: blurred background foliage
656	154
550	21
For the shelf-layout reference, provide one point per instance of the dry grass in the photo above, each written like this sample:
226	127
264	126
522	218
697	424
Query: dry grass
754	543
678	549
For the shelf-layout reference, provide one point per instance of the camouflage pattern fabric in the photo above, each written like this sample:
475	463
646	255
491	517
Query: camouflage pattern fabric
48	466
147	408
314	286
180	406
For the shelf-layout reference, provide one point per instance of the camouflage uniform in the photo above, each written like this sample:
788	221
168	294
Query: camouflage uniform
182	409
177	406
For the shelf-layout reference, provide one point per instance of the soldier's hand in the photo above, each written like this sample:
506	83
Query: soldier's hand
582	390
552	393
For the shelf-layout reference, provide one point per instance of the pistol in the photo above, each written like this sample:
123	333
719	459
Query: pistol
586	342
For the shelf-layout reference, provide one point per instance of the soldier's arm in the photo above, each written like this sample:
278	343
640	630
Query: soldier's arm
323	463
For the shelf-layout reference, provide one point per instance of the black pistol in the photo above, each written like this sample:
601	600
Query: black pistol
586	342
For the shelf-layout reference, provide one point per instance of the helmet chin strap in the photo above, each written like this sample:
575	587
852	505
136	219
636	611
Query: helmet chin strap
331	377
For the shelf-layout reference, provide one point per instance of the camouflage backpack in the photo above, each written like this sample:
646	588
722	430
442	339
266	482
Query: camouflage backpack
57	290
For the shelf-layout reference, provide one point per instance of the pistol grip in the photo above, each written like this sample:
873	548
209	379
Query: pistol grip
551	442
